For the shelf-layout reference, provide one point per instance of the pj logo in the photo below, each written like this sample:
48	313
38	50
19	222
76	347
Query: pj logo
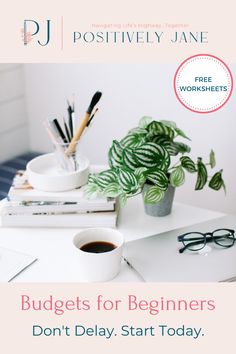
33	30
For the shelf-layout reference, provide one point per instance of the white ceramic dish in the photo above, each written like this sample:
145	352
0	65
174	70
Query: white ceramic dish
44	174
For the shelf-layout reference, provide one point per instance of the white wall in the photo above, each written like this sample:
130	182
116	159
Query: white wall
13	120
129	92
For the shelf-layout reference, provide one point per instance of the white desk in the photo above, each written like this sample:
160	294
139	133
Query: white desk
57	261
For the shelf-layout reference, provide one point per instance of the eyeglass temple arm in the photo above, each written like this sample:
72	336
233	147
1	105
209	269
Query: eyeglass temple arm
180	238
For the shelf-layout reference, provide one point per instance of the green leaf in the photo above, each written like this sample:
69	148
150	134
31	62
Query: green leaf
140	174
168	144
122	199
144	121
159	178
115	154
132	140
188	164
138	130
212	159
152	155
169	123
104	178
201	175
181	133
113	190
177	177
128	181
129	159
173	125
181	147
91	191
217	181
153	195
92	178
158	128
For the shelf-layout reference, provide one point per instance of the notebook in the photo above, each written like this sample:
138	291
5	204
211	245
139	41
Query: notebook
157	259
13	263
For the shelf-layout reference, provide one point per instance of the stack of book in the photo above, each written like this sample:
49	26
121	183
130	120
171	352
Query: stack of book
28	207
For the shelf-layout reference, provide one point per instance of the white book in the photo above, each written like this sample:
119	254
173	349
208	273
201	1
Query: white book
14	207
91	219
75	195
12	263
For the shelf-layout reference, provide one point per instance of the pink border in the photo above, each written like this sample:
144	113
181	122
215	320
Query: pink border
199	55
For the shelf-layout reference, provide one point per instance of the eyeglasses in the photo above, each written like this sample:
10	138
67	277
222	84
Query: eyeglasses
195	241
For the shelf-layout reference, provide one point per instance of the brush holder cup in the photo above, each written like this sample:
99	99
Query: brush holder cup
66	162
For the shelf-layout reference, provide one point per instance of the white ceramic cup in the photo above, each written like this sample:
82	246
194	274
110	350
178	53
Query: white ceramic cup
99	267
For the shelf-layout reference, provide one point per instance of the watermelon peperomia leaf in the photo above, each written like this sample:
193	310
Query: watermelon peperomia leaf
91	191
145	121
129	159
153	195
217	181
212	159
167	143
181	133
140	175
115	154
132	140
128	181
177	176
188	164
152	155
201	175
112	190
158	178
181	147
106	177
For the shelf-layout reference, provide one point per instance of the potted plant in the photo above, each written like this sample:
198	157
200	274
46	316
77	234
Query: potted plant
151	160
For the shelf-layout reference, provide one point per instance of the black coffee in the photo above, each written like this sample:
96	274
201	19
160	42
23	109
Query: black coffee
98	247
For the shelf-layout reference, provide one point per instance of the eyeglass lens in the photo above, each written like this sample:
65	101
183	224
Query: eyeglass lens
224	238
194	241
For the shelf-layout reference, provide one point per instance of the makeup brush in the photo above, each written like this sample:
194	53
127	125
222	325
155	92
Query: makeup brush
59	130
57	140
68	135
73	114
88	124
70	120
91	118
84	122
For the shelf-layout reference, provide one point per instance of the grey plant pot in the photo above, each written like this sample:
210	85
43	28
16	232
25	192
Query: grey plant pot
162	208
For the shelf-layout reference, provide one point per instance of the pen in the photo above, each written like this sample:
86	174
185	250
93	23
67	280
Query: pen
134	270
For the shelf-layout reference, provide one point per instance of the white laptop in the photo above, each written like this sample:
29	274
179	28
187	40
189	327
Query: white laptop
157	259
